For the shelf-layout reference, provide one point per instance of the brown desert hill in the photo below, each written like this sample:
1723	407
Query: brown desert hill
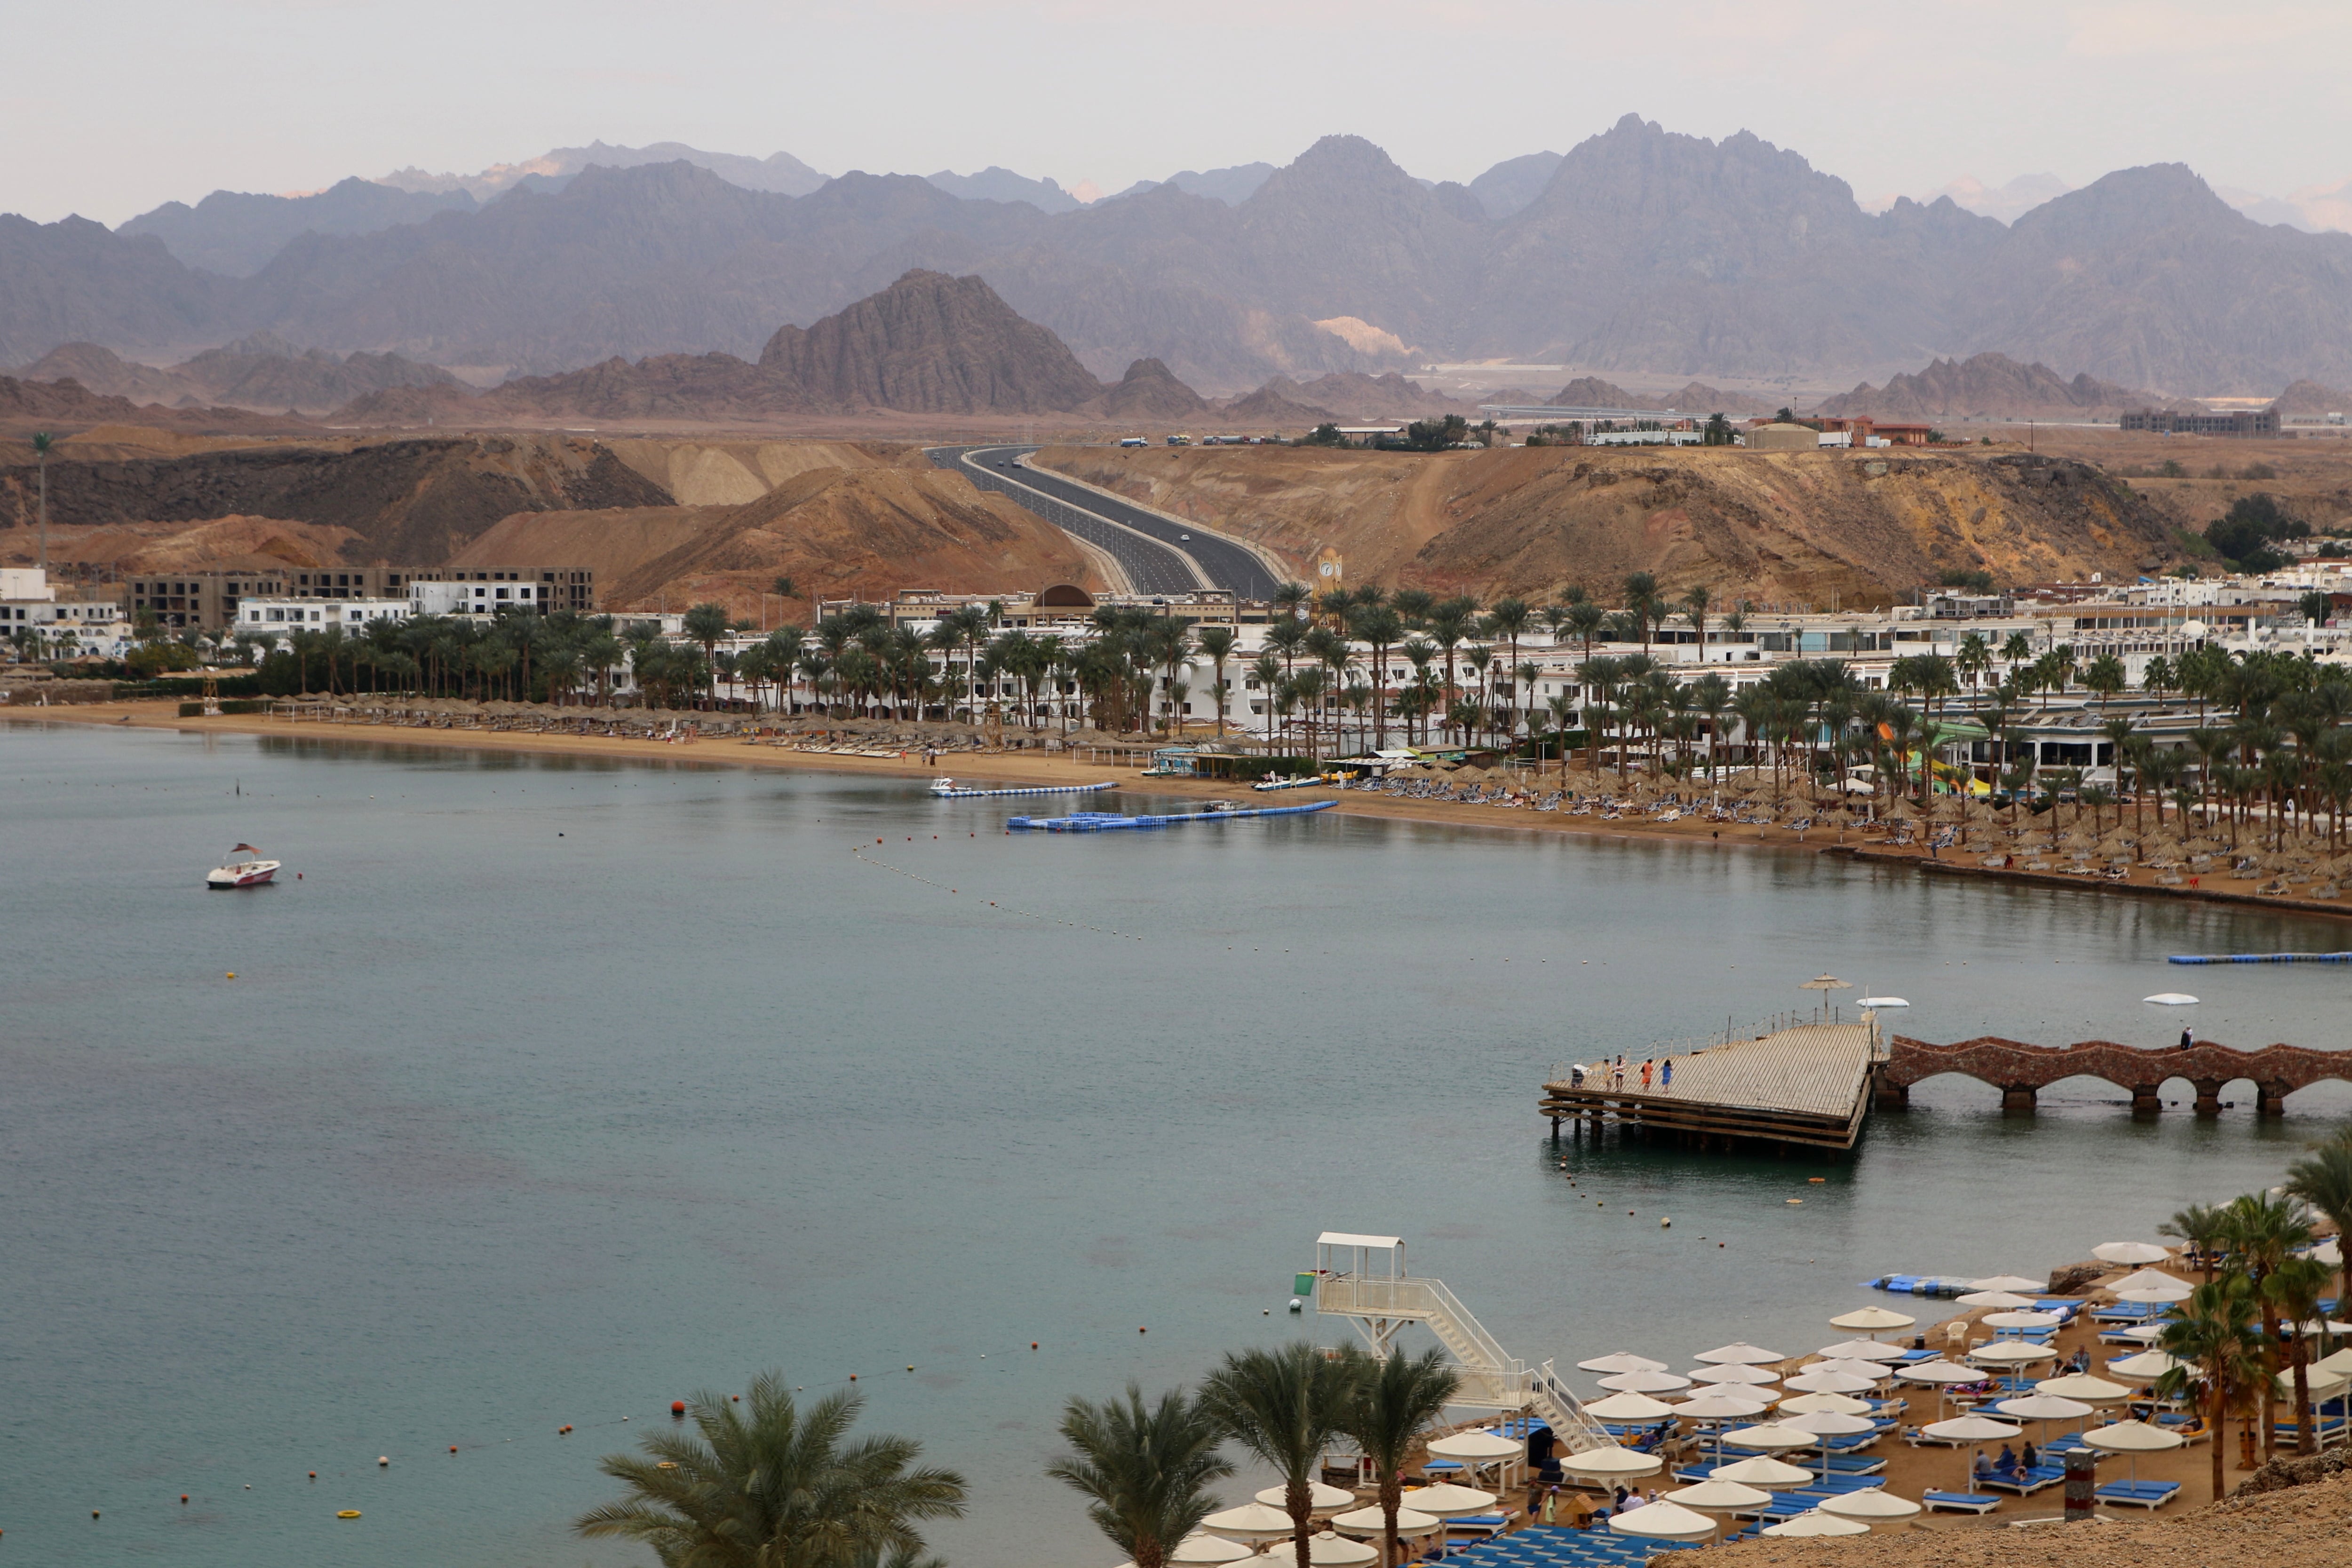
1986	386
2308	397
1591	392
868	531
403	500
261	371
220	544
1267	408
1776	527
1149	390
1700	398
930	343
414	409
1359	396
666	386
109	375
61	406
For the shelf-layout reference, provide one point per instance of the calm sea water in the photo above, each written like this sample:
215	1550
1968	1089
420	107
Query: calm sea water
555	1091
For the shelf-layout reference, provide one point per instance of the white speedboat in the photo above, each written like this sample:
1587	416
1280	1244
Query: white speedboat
944	786
246	873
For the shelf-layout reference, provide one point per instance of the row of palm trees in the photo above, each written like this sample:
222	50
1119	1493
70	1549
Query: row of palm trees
755	1482
2247	1323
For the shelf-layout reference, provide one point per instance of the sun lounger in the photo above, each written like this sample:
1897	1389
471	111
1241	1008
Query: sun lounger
1959	1503
2022	1481
2138	1494
1850	1464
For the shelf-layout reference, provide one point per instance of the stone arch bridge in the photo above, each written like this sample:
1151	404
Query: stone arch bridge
2020	1071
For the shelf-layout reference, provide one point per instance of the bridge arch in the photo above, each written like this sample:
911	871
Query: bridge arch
2021	1070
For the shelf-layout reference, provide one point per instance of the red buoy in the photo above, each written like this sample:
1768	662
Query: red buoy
677	1407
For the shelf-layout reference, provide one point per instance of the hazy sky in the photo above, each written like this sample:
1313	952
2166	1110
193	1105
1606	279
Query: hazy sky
109	107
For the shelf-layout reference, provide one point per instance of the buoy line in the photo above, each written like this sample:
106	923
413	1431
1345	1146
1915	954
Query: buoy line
881	865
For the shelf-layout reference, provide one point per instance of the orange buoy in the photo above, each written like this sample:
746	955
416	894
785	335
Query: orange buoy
677	1407
453	1448
1033	1344
1143	1331
382	1460
853	1377
559	1431
314	1475
183	1497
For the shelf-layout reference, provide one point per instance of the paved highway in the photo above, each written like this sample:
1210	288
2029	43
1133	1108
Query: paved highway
1151	548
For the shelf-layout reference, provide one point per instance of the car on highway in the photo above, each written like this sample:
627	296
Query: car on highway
1185	537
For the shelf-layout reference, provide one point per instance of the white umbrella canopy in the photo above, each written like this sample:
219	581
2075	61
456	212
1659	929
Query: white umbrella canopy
2322	1385
1938	1372
1200	1547
2146	1279
2042	1408
2132	1437
2006	1300
2021	1319
1324	1551
1815	1522
2006	1282
1630	1407
1445	1500
1481	1445
1411	1522
1871	1502
1740	1354
1718	1403
1972	1429
1717	1497
2330	1252
1810	1404
2129	1252
2157	1295
1645	1382
1830	1383
1860	1350
1827	1424
1771	1436
1763	1471
1319	1498
2143	1333
1750	1376
2011	1353
2340	1361
2147	1363
2082	1386
1608	1464
1852	1367
1620	1361
1872	1321
1662	1521
1251	1521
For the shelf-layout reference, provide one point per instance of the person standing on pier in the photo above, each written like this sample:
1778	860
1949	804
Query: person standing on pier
1646	1068
2187	1038
1667	1074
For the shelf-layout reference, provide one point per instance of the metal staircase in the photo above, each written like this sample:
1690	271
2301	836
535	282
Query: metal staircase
1362	1278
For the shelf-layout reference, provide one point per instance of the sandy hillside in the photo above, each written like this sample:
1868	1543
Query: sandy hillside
729	473
233	544
1771	527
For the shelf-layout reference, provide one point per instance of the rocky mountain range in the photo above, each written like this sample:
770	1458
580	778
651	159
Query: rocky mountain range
261	371
1639	249
1987	386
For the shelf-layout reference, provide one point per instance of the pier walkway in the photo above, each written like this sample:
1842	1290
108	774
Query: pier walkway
2020	1071
1808	1085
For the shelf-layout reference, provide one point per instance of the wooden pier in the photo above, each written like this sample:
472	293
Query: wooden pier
1808	1086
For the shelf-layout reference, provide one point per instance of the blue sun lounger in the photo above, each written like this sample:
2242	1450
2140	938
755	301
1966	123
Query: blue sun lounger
1959	1503
2138	1494
2022	1481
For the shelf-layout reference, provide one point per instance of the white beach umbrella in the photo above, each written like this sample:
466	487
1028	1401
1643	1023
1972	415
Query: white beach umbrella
1251	1521
2147	1363
1717	1497
1320	1498
2021	1319
1324	1551
1662	1521
2011	1353
1870	1503
2006	1282
2134	1438
1813	1521
2082	1386
1630	1407
2145	1279
1771	1436
1852	1367
2330	1252
1748	1376
1480	1446
1411	1522
1832	1383
2171	999
2339	1362
1761	1471
1621	1361
1445	1500
1610	1463
2162	1295
2142	1333
2003	1300
2129	1252
1871	1320
1807	1404
1202	1550
1716	1402
1645	1382
1860	1350
1971	1429
1938	1372
2042	1408
1740	1354
1826	1424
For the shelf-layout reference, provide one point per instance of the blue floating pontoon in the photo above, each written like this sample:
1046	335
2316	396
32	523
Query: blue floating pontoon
2260	958
1107	821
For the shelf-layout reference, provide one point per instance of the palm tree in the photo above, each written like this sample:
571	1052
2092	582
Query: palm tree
1383	628
2214	1334
2262	1231
1285	1407
2322	1179
758	1485
1217	642
2202	1226
1585	620
2293	1291
1643	602
1395	1402
1145	1468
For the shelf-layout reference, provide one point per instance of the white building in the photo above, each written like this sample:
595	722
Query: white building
487	598
317	615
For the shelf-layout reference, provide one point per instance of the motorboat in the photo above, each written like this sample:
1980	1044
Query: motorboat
252	872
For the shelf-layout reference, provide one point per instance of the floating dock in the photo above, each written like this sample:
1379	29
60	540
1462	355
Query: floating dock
1809	1086
957	791
1111	821
2260	958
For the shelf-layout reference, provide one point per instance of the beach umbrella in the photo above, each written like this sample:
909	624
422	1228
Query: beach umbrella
2082	1386
2134	1438
1872	1321
1630	1407
2147	1363
1761	1471
1827	1424
1482	1446
1324	1551
2003	1300
1753	1376
2330	1252
1204	1549
2129	1252
2021	1319
2340	1361
2042	1408
1851	1368
1770	1436
1645	1382
2142	1333
1938	1372
1409	1522
2146	1279
1662	1521
1320	1498
1870	1505
2011	1353
1972	1430
1830	1383
1609	1463
1806	1403
2162	1295
1717	1497
1445	1500
1251	1521
1813	1521
1740	1354
1860	1350
2171	999
1621	1361
1713	1402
